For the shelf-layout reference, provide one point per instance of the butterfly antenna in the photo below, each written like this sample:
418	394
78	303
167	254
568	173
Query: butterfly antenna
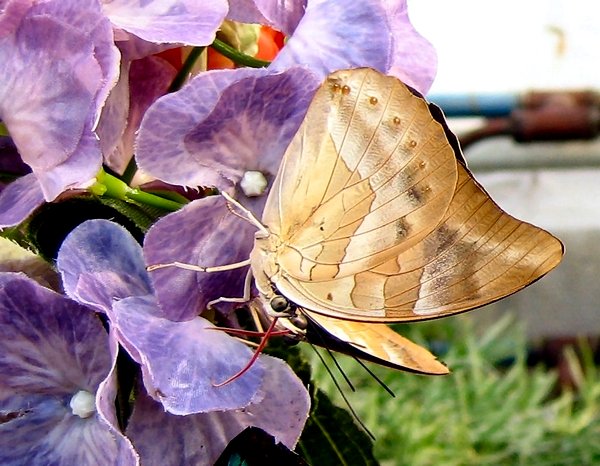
340	369
263	342
377	379
341	392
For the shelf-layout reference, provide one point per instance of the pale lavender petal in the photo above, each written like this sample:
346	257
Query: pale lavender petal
181	361
161	144
45	432
134	48
245	11
100	262
285	16
58	66
223	124
187	22
50	349
337	34
414	59
43	335
78	171
203	233
113	120
147	79
19	199
202	437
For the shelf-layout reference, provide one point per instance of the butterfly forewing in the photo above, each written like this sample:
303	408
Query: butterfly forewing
358	183
375	219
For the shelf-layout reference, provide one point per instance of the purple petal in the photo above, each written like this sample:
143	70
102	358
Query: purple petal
181	361
203	437
284	16
161	144
414	59
45	432
187	22
50	349
203	233
245	11
19	199
141	83
224	124
50	344
334	35
100	262
58	66
78	171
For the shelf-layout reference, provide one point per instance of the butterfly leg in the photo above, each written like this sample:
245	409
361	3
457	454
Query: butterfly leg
241	300
248	216
199	268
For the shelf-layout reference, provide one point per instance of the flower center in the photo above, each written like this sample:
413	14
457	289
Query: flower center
253	183
83	404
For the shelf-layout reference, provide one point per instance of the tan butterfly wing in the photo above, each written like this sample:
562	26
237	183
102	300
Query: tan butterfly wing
434	242
375	343
364	178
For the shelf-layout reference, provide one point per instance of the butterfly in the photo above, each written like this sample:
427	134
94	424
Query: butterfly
374	218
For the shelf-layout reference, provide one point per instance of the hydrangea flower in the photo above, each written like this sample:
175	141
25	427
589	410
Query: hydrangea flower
57	386
60	64
181	359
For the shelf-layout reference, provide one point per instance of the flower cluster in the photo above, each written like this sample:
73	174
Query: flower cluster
89	84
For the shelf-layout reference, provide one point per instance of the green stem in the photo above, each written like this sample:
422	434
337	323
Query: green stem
186	69
111	186
3	129
237	56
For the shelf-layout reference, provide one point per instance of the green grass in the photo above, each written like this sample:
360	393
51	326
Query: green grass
483	413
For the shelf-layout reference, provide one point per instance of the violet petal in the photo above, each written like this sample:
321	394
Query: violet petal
203	233
99	262
55	83
203	437
161	143
187	22
335	35
19	199
50	349
181	361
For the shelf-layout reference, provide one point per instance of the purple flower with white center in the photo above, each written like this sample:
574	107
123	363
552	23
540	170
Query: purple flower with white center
181	360
59	63
57	386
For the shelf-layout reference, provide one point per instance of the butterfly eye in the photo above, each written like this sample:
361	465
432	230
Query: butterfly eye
300	321
280	304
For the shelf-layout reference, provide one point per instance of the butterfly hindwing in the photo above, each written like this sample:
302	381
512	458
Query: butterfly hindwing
375	343
477	255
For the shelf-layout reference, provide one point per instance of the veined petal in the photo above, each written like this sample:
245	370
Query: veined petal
182	361
100	262
222	124
58	65
186	22
282	413
203	233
